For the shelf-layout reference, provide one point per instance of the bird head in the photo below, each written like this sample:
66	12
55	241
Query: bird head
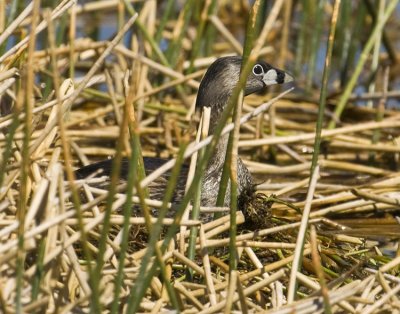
223	75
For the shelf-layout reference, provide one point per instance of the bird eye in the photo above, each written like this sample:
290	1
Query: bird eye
258	69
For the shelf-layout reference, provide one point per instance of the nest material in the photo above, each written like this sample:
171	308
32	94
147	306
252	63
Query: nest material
256	208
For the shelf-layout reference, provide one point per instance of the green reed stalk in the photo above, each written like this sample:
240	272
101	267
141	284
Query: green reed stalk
375	55
8	148
232	149
145	274
136	173
67	158
301	46
254	20
134	176
164	19
143	193
114	179
372	86
26	96
199	34
343	34
317	142
210	32
55	81
115	174
175	46
324	87
380	112
151	40
354	42
121	15
49	83
40	271
159	261
11	14
363	58
154	45
72	36
387	42
127	210
191	251
315	40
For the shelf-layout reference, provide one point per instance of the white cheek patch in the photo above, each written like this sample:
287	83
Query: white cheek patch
270	77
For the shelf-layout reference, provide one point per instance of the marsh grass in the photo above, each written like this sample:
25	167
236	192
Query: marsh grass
322	232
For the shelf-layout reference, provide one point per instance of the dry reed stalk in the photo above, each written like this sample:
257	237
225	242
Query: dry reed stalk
8	74
48	224
379	304
276	288
226	34
193	265
191	149
377	198
86	79
366	147
387	123
25	103
242	299
230	293
201	134
316	260
151	202
251	289
16	23
2	16
253	244
199	306
352	205
118	220
375	95
207	267
221	225
108	109
291	187
7	120
39	305
154	65
51	218
315	304
83	47
301	236
254	273
56	13
348	195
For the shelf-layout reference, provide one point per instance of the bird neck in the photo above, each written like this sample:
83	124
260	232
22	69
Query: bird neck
218	157
217	108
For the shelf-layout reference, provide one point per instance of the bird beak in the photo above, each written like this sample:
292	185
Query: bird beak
275	76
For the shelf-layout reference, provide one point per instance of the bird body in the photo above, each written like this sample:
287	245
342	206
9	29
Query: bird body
215	90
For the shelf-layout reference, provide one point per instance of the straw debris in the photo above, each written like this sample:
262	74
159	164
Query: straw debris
312	238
